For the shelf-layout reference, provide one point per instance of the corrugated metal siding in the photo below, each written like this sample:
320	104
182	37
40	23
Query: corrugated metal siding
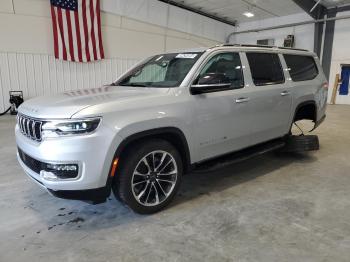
39	74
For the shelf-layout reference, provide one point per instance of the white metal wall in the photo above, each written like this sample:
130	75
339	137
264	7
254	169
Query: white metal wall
39	74
170	17
304	34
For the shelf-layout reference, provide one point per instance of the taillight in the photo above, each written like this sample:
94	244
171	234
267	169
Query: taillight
325	85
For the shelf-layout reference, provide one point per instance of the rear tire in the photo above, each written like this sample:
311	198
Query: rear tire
149	176
301	143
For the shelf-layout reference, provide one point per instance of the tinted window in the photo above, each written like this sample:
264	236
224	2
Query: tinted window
228	66
301	68
266	68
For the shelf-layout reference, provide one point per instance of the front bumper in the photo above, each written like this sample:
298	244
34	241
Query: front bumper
96	195
93	153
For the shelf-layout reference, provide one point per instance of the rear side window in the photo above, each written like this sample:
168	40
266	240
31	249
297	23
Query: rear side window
266	68
301	68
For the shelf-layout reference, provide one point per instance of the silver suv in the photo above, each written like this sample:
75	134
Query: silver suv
168	115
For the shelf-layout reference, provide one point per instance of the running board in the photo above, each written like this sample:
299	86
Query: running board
238	156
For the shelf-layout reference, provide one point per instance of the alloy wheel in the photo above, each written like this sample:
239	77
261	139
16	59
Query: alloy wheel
154	178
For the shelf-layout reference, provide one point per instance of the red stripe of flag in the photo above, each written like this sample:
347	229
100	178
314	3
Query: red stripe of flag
86	33
54	25
70	36
93	40
77	31
60	25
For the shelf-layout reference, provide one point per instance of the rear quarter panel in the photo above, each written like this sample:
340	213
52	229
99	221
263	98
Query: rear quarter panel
310	91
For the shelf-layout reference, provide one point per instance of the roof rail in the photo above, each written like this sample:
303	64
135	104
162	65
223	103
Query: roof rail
290	48
262	46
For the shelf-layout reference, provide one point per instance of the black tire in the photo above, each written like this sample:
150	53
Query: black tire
301	143
130	160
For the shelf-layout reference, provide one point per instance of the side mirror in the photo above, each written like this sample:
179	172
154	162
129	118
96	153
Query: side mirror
209	83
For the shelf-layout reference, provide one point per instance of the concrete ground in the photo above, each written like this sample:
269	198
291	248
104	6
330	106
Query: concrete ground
270	208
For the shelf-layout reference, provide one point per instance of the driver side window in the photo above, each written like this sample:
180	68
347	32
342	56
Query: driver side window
223	68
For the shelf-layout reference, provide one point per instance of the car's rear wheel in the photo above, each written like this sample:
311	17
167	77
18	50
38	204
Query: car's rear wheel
149	176
299	144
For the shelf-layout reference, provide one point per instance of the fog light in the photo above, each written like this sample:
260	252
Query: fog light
48	175
62	167
63	171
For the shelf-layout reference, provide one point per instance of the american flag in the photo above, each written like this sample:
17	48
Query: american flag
77	30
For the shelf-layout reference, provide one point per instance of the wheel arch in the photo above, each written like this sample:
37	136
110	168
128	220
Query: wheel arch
171	134
305	110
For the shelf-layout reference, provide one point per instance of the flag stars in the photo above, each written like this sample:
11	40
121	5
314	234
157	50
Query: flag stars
66	4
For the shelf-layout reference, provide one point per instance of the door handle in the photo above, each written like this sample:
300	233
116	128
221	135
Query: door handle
242	99
285	93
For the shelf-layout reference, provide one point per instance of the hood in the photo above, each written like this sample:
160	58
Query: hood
65	105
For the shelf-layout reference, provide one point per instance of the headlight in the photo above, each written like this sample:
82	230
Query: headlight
58	128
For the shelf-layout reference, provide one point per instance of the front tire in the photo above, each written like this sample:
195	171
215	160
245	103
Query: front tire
149	176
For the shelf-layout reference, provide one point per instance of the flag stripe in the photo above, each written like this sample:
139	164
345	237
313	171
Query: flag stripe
86	33
98	10
82	32
96	31
55	36
89	26
93	29
70	36
77	31
60	26
89	23
65	33
74	38
59	39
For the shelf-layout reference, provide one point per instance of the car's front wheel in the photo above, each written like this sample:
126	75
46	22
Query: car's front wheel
149	176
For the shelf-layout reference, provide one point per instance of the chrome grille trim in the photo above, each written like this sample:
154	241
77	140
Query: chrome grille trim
30	127
33	128
26	126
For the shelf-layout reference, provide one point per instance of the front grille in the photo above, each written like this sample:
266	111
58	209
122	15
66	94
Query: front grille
30	127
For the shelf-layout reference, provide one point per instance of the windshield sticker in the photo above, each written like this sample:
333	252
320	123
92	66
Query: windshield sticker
190	56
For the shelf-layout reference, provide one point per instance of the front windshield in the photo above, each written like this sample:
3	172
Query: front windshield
167	70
